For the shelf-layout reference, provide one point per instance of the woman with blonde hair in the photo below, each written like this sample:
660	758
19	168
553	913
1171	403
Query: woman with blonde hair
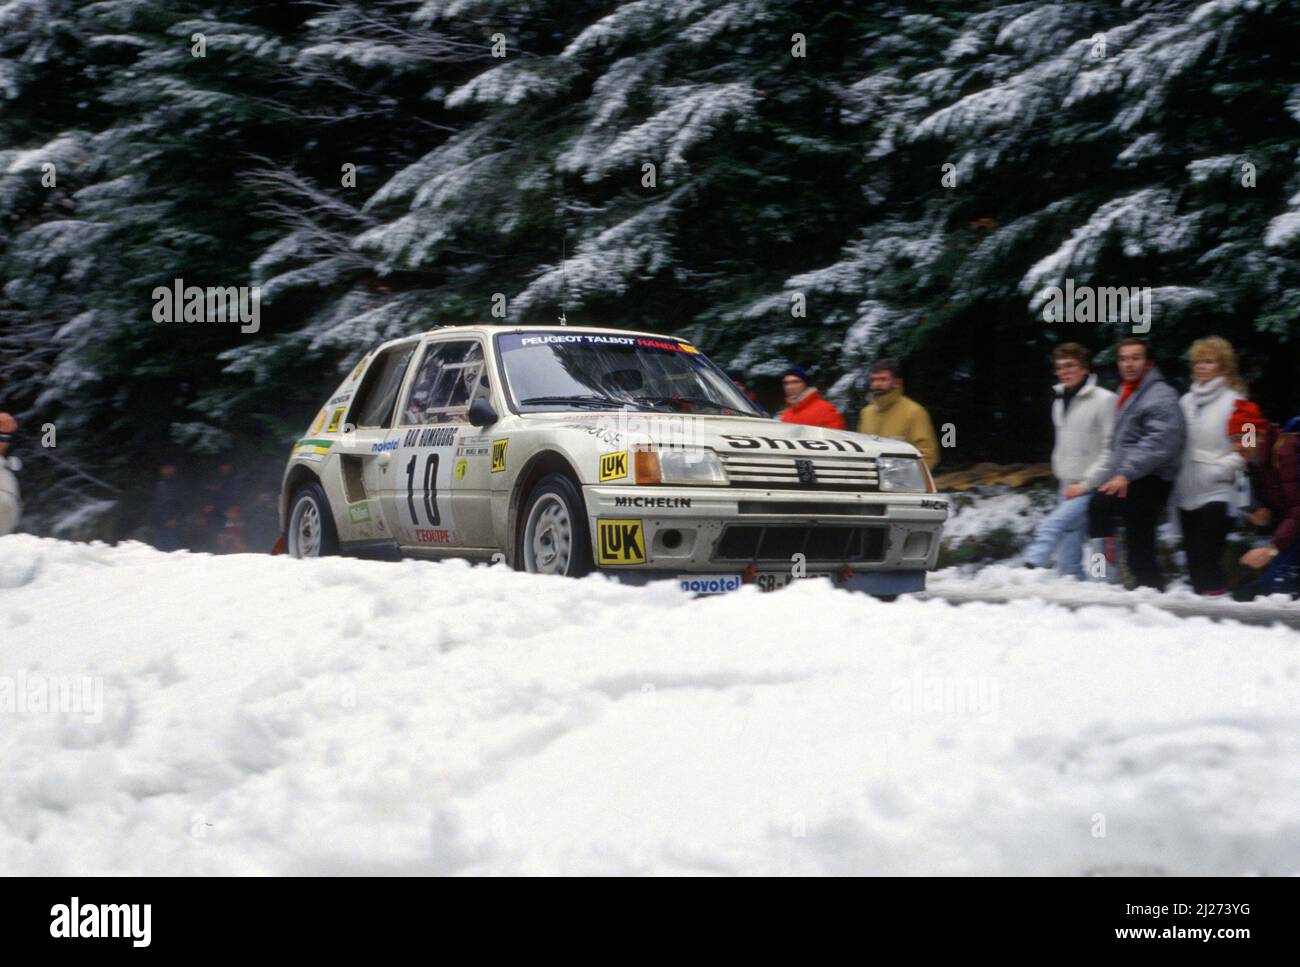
1203	492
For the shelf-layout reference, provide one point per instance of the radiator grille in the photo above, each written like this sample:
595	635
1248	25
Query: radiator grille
835	471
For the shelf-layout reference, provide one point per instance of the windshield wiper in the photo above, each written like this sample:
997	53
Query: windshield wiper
695	400
590	400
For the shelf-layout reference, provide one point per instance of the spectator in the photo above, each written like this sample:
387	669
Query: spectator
1270	458
227	489
1084	416
891	414
165	510
804	404
1204	490
737	377
11	504
230	539
262	522
1146	452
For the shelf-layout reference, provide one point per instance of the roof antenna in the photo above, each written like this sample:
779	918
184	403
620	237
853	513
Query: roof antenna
564	282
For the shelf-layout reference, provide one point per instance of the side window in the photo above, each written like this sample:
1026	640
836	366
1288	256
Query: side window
374	402
451	376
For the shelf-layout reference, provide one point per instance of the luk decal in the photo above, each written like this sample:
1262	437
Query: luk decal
335	420
683	502
430	436
359	513
312	449
499	455
613	466
620	541
743	442
461	466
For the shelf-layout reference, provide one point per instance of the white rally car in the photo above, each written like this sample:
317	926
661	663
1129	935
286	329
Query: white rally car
561	449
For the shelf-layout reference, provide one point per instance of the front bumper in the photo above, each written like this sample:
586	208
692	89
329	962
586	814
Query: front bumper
721	530
878	582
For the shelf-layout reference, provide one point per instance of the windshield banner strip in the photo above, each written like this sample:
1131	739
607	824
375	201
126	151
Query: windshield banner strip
600	339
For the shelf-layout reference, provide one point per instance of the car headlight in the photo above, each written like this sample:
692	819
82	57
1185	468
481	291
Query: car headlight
679	465
902	474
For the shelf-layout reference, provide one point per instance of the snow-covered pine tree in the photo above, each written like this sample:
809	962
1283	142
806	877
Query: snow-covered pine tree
767	176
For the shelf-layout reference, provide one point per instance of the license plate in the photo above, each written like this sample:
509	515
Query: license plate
773	580
726	583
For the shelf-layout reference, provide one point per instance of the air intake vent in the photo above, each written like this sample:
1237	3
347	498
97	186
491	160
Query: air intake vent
818	544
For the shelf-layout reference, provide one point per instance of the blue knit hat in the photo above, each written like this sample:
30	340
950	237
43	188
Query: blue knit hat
797	371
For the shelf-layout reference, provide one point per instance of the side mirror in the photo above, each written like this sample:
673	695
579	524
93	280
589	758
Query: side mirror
481	413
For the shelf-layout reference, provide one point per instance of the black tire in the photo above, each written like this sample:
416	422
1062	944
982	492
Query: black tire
554	507
308	500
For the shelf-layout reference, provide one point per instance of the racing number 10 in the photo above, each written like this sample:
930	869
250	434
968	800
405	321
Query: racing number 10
430	489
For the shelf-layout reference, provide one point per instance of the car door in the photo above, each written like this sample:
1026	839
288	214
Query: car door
478	464
365	453
431	425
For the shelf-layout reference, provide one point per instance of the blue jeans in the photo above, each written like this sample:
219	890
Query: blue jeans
1282	576
1062	531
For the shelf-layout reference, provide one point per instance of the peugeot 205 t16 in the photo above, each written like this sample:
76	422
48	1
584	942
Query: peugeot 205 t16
563	450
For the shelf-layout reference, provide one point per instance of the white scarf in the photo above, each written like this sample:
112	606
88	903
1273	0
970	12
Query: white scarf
1203	394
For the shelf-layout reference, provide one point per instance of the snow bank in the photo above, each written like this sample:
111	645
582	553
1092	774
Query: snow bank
1014	512
263	715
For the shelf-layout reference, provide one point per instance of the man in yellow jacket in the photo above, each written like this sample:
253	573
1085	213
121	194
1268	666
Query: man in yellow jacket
891	414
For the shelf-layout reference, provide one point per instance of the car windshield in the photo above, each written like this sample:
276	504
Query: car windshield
561	371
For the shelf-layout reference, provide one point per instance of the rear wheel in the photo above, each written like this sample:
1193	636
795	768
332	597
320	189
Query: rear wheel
311	525
555	538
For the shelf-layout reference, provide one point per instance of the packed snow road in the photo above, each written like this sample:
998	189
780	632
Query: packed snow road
1003	584
247	714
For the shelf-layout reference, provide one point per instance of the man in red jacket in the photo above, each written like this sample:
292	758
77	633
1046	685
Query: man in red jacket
1270	457
804	404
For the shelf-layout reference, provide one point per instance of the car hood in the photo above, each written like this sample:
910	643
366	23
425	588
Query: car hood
725	434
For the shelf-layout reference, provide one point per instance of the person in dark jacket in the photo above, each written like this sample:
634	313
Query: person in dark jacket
1145	457
1271	462
165	509
738	377
804	404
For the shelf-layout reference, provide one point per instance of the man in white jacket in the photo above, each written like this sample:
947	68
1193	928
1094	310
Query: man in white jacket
1084	416
11	506
1204	489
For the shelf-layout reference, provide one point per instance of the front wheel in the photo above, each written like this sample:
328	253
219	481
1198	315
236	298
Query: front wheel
555	537
311	525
